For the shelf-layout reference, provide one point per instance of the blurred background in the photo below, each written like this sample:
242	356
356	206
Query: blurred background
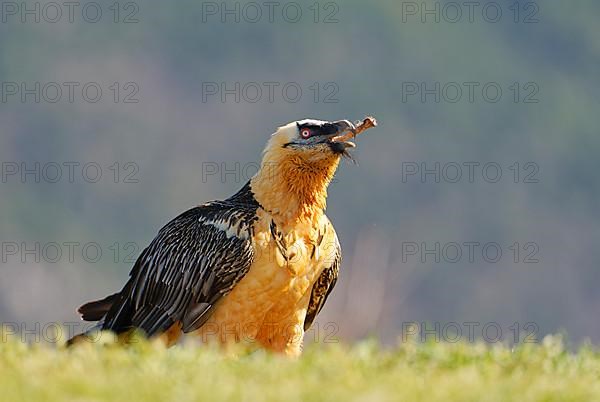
474	201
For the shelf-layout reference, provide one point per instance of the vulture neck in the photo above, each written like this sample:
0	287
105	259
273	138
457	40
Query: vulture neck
293	190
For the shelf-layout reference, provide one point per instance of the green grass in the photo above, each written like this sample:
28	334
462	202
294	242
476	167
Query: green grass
362	372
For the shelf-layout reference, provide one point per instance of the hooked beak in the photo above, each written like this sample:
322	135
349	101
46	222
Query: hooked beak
342	126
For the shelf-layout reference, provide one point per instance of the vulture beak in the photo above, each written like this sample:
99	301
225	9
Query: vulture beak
341	127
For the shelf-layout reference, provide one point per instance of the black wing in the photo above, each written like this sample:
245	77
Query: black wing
322	288
196	259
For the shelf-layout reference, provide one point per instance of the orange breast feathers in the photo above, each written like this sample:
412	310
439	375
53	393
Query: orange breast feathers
268	306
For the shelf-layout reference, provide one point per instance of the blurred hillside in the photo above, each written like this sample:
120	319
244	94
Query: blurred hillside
166	136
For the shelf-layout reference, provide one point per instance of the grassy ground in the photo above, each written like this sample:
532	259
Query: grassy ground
363	372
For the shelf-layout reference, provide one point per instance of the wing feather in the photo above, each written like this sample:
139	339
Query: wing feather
322	288
195	260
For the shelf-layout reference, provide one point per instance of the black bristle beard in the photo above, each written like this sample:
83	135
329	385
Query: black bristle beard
348	156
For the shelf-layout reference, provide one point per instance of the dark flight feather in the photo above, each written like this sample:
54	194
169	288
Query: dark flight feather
95	310
195	259
322	288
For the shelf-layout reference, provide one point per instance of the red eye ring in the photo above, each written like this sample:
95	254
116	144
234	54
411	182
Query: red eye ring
305	133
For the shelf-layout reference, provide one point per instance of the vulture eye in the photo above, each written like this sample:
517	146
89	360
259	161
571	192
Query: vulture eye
305	133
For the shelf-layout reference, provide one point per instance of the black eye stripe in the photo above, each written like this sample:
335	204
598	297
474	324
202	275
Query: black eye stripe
311	127
315	129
